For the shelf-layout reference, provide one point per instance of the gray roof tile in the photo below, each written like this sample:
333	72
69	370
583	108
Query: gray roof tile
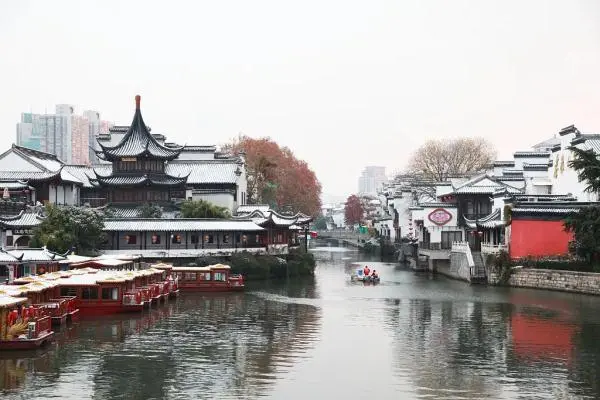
180	225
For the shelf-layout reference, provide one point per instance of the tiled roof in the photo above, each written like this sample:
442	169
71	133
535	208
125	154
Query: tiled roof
208	149
437	204
528	154
201	172
512	172
81	172
42	254
6	257
133	212
545	197
508	189
490	221
138	141
28	175
23	220
66	176
503	163
592	144
535	167
548	210
262	214
213	191
13	185
491	224
477	190
180	225
159	180
568	129
47	161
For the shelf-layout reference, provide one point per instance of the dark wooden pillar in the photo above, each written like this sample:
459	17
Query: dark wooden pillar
218	240
186	240
202	234
306	238
141	233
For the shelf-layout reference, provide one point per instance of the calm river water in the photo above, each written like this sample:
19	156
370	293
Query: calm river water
411	337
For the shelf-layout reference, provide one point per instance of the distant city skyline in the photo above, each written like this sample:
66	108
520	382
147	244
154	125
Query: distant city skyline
368	89
64	133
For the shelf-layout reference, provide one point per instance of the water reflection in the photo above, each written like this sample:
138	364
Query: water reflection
530	347
412	336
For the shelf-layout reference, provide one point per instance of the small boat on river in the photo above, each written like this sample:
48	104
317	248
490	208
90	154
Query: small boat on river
359	276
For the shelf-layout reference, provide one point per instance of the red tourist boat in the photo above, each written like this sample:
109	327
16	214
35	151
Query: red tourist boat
22	327
44	295
98	292
212	278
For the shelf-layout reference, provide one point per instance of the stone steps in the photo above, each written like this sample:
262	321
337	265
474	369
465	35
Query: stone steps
479	274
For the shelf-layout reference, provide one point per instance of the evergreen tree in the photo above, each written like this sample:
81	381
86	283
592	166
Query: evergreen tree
585	224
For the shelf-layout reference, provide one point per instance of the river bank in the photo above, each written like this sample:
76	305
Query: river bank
298	263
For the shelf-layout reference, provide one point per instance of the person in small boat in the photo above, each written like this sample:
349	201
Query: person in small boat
366	270
374	275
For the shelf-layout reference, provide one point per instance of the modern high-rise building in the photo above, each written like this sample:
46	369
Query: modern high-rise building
64	134
371	179
97	127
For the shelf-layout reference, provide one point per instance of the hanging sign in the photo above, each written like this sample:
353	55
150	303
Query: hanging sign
439	216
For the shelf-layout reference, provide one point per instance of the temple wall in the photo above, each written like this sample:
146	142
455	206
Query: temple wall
167	240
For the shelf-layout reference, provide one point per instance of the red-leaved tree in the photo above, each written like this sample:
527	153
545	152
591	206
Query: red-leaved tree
276	177
353	210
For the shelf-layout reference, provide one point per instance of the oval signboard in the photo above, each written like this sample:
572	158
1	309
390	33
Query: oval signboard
439	216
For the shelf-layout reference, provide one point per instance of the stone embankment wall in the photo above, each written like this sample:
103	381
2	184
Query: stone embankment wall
567	281
459	267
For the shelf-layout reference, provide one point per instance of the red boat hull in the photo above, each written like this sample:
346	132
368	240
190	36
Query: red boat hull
27	344
59	321
73	316
107	309
207	288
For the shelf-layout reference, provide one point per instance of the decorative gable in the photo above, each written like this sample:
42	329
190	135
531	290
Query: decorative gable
12	161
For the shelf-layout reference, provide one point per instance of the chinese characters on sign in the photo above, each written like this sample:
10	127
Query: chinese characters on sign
440	217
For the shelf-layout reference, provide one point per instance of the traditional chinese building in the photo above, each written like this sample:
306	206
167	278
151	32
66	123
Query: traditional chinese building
135	167
137	174
282	231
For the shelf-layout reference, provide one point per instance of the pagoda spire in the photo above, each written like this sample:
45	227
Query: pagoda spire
138	142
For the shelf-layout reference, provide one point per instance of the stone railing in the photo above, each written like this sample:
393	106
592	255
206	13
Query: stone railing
489	248
463	247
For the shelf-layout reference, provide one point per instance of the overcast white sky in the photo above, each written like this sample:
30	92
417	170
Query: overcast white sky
343	83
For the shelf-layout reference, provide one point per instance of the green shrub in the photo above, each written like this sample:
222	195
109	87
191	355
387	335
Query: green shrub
502	265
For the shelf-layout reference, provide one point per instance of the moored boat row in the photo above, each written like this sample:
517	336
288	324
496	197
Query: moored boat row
31	304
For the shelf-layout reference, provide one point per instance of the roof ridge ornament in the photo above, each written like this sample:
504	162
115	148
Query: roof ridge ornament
138	99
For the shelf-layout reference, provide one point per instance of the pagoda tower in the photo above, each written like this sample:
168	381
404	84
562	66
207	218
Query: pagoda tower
138	168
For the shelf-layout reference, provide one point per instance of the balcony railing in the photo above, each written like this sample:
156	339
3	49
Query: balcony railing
489	248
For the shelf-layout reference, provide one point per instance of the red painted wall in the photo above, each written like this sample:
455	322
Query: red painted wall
538	238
